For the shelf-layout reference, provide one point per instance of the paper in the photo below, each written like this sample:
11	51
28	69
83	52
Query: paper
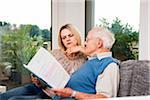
47	68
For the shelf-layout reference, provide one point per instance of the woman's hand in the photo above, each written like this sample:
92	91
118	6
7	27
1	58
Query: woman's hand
74	49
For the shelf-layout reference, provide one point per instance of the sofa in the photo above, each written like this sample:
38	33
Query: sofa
134	78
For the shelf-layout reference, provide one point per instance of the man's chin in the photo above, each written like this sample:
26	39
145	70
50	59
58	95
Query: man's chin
86	53
89	53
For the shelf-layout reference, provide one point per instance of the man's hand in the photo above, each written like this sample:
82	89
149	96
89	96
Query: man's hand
66	92
35	81
48	91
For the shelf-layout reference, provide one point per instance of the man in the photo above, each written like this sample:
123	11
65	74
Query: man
99	76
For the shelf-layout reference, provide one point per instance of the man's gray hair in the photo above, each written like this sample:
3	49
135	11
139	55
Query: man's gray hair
105	35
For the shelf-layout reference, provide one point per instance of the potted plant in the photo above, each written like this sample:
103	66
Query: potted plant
18	47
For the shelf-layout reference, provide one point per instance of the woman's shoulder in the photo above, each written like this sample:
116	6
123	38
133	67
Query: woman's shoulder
57	53
81	55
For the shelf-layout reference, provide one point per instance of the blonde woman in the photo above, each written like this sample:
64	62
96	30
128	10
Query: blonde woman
68	37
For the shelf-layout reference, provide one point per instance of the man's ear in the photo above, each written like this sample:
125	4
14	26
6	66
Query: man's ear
100	44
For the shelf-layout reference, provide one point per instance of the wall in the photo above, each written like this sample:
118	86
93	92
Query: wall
67	11
89	13
144	38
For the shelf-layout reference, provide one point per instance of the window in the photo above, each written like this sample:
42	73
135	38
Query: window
120	16
25	25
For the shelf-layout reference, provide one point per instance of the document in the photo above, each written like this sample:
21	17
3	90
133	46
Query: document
48	69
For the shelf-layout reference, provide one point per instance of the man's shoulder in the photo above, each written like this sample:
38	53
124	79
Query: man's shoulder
113	66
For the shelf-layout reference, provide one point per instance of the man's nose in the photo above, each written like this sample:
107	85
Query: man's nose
85	44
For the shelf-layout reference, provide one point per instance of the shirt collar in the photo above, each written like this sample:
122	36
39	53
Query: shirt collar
101	55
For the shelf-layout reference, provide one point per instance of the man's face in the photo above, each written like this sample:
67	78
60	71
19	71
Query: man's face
91	44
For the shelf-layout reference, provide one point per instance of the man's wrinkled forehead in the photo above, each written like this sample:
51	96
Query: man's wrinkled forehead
95	29
91	33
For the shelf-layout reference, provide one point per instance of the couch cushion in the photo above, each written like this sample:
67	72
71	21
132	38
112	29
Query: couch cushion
134	78
141	79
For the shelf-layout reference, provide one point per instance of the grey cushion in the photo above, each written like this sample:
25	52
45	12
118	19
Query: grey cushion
134	78
141	79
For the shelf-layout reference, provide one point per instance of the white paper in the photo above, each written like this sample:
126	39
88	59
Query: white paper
46	67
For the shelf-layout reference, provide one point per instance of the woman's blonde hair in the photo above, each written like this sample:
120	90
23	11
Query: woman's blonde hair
74	30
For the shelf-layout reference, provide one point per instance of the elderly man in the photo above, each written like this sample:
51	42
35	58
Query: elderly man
99	76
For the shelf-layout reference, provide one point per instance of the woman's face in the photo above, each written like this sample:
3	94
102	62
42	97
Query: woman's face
68	38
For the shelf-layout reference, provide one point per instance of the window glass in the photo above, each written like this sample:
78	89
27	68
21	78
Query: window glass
122	18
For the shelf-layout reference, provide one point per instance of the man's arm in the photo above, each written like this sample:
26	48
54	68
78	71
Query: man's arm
81	95
108	82
109	76
68	92
106	85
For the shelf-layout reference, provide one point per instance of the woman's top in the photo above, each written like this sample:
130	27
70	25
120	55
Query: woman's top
70	64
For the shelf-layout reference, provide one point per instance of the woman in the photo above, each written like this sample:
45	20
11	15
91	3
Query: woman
68	37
